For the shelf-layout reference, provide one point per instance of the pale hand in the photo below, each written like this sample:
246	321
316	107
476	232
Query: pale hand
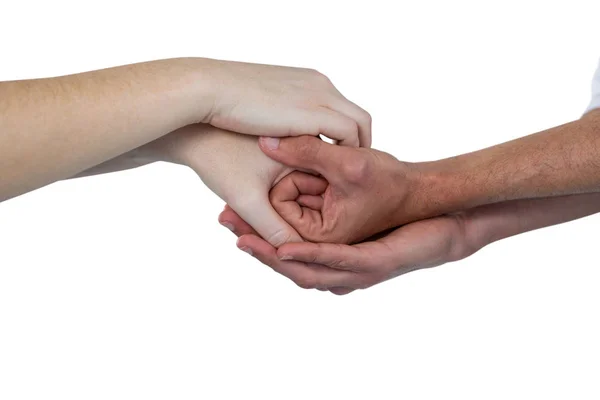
271	100
235	169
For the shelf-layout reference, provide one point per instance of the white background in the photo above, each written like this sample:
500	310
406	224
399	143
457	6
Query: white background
125	286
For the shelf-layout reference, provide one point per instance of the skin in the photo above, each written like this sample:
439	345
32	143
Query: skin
353	197
56	128
124	117
461	204
428	243
234	168
230	164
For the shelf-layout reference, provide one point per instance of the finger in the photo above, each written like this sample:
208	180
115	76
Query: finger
284	195
362	118
337	126
340	291
336	256
232	221
309	201
297	121
308	276
260	215
296	184
307	153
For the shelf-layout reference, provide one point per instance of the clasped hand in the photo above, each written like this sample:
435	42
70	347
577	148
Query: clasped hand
337	198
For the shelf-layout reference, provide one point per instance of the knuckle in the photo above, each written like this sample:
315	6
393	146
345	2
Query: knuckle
368	118
320	77
356	170
310	71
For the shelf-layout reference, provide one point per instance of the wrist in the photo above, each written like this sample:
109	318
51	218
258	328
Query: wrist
431	189
191	84
176	147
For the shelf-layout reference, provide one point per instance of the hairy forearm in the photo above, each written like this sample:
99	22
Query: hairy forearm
489	223
559	161
55	128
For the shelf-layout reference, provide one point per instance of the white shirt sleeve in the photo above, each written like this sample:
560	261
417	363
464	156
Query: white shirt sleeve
595	102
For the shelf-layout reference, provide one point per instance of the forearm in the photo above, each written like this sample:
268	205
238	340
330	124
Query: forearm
559	161
170	148
55	128
489	223
130	160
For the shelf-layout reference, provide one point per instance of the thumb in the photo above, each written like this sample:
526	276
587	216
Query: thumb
261	216
306	153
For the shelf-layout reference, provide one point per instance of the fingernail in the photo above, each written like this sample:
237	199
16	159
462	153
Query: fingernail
286	257
227	225
270	143
246	249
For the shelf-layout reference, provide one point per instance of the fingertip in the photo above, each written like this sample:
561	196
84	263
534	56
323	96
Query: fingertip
254	242
244	245
247	250
222	217
340	291
228	225
268	144
226	214
242	241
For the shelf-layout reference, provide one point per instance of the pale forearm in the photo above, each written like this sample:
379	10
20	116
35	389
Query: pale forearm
130	160
170	148
55	128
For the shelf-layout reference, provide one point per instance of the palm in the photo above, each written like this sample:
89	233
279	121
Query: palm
422	244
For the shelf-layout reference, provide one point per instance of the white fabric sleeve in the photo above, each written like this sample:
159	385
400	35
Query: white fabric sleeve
595	102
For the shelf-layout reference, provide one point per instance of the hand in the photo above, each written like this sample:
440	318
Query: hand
271	100
342	268
363	192
233	167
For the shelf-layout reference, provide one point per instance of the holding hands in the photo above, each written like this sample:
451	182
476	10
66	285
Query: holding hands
335	217
358	194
